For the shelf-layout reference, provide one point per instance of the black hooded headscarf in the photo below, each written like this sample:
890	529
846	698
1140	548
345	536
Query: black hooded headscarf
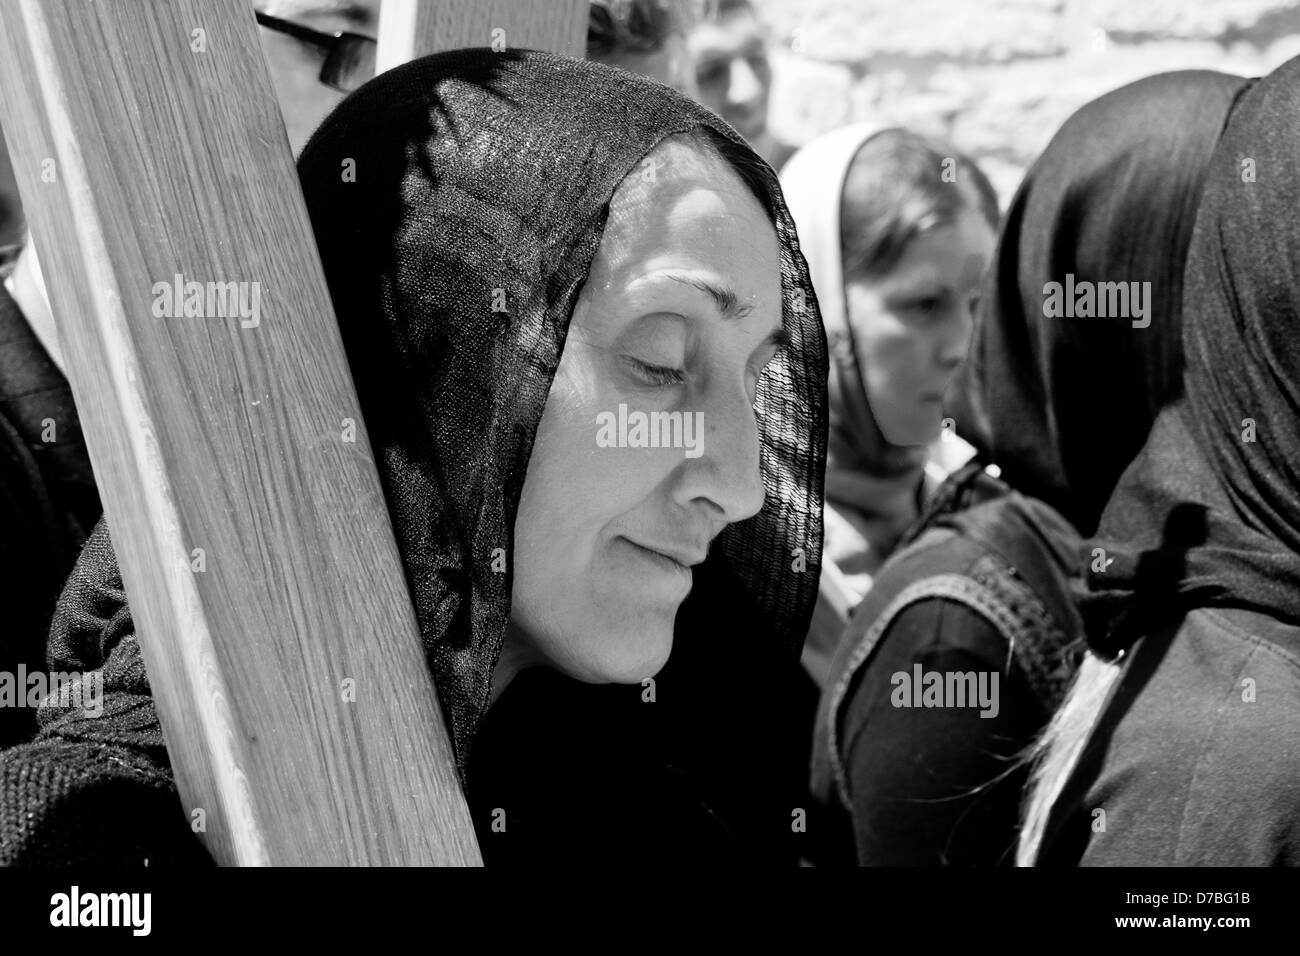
460	183
1063	404
1208	515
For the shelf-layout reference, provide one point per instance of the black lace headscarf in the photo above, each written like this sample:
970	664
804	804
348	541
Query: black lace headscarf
473	179
1208	515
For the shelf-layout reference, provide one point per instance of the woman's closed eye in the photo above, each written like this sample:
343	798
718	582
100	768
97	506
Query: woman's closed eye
666	376
656	376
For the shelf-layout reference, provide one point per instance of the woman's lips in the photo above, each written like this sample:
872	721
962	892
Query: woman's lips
659	559
651	573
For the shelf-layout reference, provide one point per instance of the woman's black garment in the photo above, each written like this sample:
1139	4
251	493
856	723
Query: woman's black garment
95	789
980	587
1064	403
1193	759
1202	544
1060	404
482	177
561	772
48	503
709	768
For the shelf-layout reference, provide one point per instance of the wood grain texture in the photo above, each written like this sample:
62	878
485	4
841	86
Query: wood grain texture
214	433
413	28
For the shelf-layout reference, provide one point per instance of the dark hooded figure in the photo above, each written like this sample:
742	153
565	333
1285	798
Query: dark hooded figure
967	642
1177	744
530	258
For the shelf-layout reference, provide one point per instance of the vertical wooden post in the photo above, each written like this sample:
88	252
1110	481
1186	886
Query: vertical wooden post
413	28
221	418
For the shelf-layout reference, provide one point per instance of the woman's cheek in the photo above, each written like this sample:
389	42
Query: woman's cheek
892	352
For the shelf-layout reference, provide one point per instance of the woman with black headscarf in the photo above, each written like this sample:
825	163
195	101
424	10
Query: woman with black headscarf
534	255
1177	747
967	642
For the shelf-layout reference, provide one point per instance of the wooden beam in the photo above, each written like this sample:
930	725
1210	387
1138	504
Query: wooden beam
413	28
247	515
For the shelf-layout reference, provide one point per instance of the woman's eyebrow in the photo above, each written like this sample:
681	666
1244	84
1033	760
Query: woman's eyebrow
728	304
726	300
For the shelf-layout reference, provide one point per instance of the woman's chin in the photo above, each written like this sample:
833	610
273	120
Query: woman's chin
916	430
911	437
644	656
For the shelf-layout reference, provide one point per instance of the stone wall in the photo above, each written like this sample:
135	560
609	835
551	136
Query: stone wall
998	77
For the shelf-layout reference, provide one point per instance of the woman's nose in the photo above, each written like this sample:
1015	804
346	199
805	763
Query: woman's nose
744	87
954	337
726	476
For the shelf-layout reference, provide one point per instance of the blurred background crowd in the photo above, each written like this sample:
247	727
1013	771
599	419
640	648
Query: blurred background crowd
995	77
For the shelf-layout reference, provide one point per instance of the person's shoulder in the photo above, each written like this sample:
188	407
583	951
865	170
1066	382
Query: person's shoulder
959	591
929	574
1250	631
1218	675
1202	767
1245	668
1243	657
929	600
1248	758
1001	546
1014	522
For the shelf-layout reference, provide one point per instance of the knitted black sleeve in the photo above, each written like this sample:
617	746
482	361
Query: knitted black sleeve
94	787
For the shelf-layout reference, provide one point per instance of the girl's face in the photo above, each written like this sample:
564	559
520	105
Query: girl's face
913	325
681	311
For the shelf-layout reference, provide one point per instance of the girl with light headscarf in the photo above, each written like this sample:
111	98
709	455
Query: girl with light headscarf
898	232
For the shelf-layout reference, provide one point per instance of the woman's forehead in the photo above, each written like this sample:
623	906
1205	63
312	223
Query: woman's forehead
685	201
676	165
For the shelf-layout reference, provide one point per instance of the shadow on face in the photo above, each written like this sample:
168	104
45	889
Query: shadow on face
649	445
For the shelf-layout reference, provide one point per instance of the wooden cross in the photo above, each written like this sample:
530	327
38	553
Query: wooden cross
247	515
